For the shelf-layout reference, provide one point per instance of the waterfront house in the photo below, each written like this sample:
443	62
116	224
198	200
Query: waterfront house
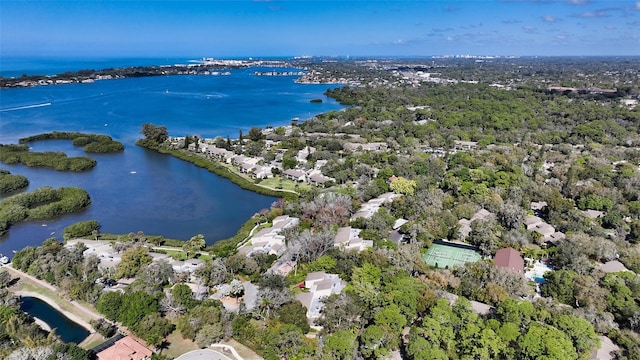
269	240
261	172
219	153
295	175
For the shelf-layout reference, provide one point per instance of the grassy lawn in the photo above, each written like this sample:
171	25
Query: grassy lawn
91	341
176	254
245	352
178	346
286	184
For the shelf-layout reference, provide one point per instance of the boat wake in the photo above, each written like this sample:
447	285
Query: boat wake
26	107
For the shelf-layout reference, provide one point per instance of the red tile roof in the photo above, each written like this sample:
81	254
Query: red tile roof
125	349
509	258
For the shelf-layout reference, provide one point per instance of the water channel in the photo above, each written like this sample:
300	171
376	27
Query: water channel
68	330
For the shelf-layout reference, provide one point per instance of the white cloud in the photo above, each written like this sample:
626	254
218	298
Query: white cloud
610	27
593	14
529	29
637	5
550	19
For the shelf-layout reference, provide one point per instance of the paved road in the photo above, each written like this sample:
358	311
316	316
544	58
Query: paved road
202	354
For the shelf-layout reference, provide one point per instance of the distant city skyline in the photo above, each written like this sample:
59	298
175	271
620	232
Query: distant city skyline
262	28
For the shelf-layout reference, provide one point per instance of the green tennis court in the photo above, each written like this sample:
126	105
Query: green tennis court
443	256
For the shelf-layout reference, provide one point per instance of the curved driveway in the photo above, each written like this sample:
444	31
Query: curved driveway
202	354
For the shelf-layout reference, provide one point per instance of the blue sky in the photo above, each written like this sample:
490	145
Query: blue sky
243	28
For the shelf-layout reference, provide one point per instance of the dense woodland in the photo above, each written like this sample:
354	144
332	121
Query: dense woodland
574	150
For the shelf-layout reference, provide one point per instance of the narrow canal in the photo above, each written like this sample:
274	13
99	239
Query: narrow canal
68	330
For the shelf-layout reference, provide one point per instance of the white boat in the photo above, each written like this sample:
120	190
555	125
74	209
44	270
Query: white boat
4	259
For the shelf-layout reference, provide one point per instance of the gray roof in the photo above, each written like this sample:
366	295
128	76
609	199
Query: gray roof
342	236
305	299
294	173
316	275
606	348
613	266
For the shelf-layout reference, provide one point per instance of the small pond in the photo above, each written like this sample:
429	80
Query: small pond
68	330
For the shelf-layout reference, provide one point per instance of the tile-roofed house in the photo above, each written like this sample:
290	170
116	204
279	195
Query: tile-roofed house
320	285
509	258
125	349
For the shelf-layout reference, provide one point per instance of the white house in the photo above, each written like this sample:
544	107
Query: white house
320	285
347	238
269	240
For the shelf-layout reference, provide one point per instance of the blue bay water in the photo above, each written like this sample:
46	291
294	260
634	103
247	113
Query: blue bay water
140	190
17	66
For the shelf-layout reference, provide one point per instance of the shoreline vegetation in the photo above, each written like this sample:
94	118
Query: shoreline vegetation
14	154
217	169
89	75
11	183
40	204
91	143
